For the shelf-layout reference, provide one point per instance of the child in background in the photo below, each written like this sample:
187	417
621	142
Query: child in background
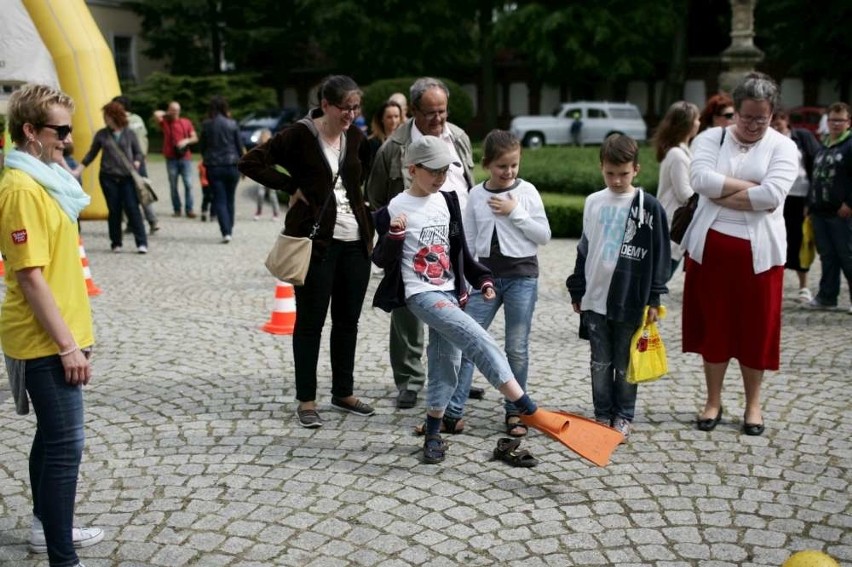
265	192
206	193
623	264
426	260
504	224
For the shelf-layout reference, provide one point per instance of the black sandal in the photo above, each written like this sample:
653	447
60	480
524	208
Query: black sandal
507	450
449	425
513	423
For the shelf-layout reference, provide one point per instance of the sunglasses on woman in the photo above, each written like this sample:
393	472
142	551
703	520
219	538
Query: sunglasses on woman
62	132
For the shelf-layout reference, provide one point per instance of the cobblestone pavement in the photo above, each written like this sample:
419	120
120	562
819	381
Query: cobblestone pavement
193	455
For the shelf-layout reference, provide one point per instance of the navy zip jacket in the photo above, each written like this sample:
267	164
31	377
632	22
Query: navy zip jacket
387	254
635	282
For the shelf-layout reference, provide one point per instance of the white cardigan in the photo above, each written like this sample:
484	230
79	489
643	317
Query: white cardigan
520	232
773	162
674	189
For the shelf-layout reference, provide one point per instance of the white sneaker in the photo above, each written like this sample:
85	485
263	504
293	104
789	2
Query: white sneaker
226	239
82	537
256	217
817	306
805	295
142	249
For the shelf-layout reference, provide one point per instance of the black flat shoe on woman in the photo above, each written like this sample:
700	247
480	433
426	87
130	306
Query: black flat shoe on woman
709	424
753	429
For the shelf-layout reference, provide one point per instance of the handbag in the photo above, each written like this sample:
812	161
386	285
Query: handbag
144	190
290	256
647	353
684	213
807	250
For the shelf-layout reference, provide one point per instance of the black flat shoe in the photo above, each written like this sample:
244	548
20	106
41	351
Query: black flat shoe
753	428
710	424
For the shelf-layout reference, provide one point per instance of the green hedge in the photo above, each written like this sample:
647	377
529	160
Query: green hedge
460	105
564	213
571	170
194	93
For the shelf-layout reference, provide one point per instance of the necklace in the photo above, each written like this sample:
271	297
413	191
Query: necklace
742	146
332	141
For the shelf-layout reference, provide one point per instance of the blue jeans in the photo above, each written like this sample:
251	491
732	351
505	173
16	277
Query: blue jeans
182	167
120	195
612	395
56	454
223	183
518	297
451	332
833	236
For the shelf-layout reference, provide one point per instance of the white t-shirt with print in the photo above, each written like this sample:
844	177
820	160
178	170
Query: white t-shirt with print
604	219
426	251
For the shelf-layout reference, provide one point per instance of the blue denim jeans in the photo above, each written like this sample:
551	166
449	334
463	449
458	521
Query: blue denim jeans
223	183
518	297
451	332
612	395
56	454
183	168
120	196
833	236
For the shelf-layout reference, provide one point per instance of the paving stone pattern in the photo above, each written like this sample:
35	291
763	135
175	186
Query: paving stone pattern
194	457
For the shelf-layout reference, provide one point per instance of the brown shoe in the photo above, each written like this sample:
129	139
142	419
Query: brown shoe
190	215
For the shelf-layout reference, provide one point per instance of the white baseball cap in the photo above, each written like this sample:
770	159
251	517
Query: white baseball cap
430	152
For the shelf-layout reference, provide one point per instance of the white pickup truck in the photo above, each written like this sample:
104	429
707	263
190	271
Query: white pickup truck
597	121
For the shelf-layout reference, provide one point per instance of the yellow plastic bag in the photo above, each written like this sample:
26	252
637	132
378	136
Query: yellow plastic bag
647	352
807	251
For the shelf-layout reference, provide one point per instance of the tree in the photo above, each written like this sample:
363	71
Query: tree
584	44
812	39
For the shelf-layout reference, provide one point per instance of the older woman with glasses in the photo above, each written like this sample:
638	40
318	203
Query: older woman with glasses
45	321
323	159
736	246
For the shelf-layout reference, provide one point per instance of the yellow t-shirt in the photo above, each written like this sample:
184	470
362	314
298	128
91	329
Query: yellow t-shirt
36	232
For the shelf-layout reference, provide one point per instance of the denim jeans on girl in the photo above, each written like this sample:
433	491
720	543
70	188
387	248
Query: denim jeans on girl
609	341
518	297
223	183
340	278
451	332
56	453
833	236
120	196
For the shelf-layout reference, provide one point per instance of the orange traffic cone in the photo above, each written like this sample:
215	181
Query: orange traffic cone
91	288
283	311
2	269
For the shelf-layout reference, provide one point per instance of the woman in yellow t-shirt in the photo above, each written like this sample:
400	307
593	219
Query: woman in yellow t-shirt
46	322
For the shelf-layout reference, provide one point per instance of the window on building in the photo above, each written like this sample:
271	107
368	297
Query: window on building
122	50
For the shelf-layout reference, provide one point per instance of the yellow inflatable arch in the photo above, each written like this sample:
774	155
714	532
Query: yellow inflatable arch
86	71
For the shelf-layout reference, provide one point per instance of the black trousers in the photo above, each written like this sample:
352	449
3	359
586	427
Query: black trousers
340	279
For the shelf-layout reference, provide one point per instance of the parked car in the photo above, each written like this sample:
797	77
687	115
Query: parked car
275	120
806	117
599	120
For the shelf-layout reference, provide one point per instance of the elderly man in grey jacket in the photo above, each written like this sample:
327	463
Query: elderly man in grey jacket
389	176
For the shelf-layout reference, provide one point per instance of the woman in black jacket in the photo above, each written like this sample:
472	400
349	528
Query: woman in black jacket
221	148
324	158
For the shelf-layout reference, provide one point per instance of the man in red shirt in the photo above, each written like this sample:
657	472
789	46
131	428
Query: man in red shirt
178	134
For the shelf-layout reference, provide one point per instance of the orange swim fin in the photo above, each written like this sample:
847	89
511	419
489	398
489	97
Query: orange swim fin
588	438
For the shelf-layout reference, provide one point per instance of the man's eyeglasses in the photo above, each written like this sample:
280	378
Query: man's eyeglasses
61	131
756	120
434	114
435	172
355	109
838	120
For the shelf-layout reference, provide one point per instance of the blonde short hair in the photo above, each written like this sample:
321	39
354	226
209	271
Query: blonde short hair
31	104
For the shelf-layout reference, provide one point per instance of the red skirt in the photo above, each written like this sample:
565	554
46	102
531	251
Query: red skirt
728	310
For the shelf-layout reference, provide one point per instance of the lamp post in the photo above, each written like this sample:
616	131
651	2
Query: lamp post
742	55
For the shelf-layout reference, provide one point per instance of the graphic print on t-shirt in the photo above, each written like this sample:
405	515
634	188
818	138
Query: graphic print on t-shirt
612	219
432	261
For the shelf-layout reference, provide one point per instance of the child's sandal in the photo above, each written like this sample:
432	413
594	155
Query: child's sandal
508	451
514	427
